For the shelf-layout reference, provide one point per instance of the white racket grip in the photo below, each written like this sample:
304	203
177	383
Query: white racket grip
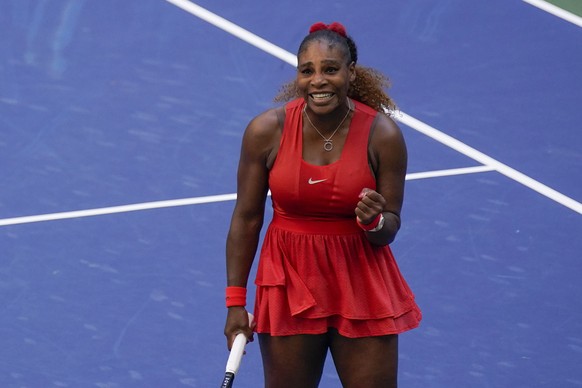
236	353
237	350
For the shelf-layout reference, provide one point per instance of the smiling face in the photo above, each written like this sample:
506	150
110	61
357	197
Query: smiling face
324	76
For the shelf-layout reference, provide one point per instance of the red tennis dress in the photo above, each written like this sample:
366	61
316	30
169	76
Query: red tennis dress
316	268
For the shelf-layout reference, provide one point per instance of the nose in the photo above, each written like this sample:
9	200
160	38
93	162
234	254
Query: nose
318	79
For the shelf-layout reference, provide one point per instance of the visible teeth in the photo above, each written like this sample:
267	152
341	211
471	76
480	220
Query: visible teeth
322	95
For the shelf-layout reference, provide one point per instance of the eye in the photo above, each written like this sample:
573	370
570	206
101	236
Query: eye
331	70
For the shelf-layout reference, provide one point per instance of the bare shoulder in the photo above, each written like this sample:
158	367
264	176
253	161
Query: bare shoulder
387	132
265	125
262	135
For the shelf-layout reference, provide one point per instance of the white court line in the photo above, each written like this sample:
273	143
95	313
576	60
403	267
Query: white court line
416	124
449	172
556	11
117	209
489	161
237	31
195	200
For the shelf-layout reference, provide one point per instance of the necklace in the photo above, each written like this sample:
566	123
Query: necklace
327	142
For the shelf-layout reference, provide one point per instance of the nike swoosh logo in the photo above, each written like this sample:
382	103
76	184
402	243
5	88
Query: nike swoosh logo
312	182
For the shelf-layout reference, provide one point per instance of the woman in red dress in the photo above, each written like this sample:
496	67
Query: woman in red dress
335	163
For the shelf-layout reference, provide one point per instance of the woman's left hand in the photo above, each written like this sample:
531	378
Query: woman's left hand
370	205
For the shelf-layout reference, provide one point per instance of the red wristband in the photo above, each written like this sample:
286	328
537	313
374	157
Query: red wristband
372	225
236	296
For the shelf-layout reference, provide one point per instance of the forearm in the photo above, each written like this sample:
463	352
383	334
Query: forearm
241	247
387	234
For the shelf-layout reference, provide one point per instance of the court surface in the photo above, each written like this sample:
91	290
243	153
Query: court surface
120	127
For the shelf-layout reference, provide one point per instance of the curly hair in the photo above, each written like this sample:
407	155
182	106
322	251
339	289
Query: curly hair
369	86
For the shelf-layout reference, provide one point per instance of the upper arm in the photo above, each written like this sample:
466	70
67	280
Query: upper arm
388	149
259	144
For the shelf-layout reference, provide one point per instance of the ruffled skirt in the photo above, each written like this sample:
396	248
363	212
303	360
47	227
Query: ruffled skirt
317	274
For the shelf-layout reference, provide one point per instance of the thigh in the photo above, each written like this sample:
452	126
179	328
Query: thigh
365	362
293	361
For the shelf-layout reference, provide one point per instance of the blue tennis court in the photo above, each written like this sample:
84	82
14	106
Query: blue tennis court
120	128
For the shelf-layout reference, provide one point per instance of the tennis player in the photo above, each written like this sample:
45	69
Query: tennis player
327	281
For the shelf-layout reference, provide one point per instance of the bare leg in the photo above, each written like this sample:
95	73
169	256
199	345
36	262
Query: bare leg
293	361
365	362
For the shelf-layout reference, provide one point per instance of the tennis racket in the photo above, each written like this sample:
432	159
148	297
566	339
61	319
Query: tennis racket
235	358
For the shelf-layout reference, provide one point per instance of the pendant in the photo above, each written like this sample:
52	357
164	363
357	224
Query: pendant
328	145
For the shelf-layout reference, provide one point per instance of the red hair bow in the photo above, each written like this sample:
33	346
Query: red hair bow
336	27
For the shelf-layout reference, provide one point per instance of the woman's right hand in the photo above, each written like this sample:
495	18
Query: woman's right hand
237	321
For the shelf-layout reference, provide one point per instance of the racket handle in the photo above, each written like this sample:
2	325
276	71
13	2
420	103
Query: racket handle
236	353
237	350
